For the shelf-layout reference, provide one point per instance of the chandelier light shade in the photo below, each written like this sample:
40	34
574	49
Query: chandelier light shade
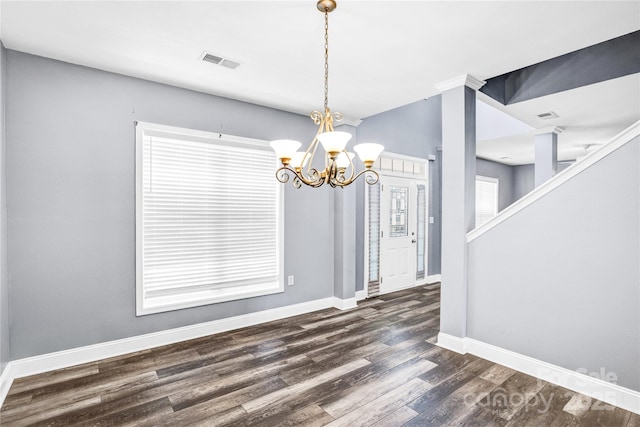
339	169
344	160
285	149
299	159
368	152
334	142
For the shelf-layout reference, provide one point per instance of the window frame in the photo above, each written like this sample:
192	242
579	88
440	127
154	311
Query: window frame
491	180
144	129
396	165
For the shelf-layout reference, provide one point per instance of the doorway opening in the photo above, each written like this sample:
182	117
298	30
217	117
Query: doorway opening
396	228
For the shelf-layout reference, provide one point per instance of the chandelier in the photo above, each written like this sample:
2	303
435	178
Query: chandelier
339	170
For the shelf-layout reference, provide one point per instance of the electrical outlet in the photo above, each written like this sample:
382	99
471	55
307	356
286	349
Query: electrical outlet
290	281
431	220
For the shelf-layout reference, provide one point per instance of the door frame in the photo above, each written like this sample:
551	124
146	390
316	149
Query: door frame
420	178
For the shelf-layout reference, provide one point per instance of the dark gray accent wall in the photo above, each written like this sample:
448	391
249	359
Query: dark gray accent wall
558	281
70	187
504	174
604	61
412	130
4	287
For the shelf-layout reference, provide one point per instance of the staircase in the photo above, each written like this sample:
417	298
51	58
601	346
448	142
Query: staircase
555	277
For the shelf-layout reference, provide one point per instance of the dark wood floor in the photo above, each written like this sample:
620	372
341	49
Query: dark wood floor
376	365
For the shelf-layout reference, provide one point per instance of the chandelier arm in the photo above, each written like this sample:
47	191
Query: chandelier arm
351	165
316	182
341	180
315	178
297	183
318	119
331	176
311	151
331	173
328	120
282	174
316	116
371	177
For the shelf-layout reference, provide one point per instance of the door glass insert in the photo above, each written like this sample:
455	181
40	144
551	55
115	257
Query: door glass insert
399	212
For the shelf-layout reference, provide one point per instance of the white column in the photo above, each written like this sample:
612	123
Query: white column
458	197
546	154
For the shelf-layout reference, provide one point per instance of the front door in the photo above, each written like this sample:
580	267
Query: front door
398	233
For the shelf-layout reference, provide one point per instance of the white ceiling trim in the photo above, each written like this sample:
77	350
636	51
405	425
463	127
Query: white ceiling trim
551	129
463	80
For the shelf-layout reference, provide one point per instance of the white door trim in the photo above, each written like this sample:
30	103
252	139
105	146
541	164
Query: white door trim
424	178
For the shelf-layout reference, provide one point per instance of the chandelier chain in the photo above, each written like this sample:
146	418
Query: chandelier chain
326	58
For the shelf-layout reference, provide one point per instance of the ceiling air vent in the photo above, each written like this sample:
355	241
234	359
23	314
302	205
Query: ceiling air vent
229	64
218	60
548	115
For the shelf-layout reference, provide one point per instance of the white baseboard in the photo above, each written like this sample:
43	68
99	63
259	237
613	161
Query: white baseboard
345	304
360	295
435	278
428	280
76	356
596	388
6	379
452	343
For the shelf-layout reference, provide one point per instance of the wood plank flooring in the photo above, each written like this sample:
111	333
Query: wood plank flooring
376	365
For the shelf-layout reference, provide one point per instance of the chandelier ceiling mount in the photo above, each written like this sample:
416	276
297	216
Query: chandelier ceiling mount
326	5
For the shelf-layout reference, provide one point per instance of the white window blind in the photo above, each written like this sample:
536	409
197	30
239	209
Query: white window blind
209	213
486	199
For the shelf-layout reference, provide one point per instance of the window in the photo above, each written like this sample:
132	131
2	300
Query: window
208	219
486	199
421	238
374	232
399	214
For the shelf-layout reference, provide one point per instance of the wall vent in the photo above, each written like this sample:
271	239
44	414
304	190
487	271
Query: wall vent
548	115
218	60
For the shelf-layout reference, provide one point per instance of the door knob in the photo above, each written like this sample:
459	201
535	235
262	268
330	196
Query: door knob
413	241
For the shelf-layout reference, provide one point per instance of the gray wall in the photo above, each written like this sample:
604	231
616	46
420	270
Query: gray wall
4	287
523	179
412	130
559	281
505	176
70	183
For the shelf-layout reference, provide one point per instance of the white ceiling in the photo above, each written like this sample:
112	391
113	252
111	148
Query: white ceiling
382	54
589	116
